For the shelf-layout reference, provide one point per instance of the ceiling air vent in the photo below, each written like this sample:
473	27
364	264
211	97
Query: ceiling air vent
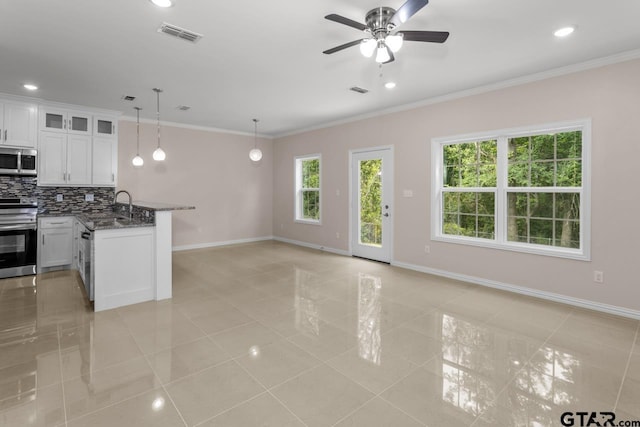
358	89
128	97
183	107
181	33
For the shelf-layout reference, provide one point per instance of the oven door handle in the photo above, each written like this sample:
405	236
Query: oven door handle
18	227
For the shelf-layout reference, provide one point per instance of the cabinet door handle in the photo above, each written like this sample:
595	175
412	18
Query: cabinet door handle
5	134
64	176
113	129
113	177
69	177
65	123
0	134
43	240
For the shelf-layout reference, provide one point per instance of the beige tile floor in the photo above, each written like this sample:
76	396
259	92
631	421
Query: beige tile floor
270	334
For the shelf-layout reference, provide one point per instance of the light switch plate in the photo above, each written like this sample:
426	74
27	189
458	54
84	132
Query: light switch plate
59	197
407	193
88	197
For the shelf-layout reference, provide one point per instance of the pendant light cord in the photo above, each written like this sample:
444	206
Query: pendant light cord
255	133
157	91
138	130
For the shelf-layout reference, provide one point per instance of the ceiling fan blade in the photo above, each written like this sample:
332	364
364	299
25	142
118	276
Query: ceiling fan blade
425	36
346	21
406	11
342	46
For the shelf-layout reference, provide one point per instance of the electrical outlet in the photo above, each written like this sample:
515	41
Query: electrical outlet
88	197
337	235
427	249
281	226
59	197
598	276
338	192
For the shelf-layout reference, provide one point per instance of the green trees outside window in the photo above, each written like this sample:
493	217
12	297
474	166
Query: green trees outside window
521	189
308	188
371	202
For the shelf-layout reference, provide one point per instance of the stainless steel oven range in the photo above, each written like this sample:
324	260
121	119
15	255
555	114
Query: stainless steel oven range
18	237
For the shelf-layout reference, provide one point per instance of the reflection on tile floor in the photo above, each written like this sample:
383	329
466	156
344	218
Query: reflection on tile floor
270	334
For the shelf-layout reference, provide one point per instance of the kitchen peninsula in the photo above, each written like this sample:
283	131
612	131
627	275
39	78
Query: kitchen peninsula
123	257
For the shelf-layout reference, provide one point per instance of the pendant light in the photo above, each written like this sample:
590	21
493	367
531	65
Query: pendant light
255	154
137	160
158	155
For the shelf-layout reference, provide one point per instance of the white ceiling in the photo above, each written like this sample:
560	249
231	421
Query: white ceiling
264	59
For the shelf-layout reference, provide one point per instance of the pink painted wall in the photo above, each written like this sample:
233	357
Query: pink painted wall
610	96
209	170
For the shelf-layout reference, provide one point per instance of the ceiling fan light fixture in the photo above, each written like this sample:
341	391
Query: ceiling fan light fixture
367	47
383	54
394	41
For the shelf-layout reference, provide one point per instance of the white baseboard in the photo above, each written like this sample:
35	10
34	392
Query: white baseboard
312	246
592	305
223	243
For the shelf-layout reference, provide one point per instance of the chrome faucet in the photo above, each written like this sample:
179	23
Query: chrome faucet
115	199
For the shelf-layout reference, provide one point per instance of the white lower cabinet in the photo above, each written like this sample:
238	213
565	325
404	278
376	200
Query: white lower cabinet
124	267
55	242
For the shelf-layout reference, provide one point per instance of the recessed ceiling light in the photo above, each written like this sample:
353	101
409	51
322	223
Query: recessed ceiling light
29	86
390	85
564	32
162	3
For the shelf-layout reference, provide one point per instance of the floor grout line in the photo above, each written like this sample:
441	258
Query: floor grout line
626	369
64	394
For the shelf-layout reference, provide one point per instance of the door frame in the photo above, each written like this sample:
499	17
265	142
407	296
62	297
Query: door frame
391	195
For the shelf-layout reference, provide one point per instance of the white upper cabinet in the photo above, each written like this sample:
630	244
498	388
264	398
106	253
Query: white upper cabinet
77	148
105	126
65	121
64	159
18	123
105	161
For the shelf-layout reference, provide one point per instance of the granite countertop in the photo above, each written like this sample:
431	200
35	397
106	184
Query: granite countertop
111	222
157	206
102	221
143	215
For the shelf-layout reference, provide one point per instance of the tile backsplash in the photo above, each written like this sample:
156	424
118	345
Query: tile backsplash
73	198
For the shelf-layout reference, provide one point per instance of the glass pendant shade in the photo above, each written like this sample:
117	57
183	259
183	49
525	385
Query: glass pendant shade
159	155
394	42
367	47
255	154
382	55
137	160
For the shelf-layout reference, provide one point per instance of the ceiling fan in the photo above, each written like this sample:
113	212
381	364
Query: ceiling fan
381	23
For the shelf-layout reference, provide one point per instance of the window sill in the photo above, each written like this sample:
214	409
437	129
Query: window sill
517	247
308	221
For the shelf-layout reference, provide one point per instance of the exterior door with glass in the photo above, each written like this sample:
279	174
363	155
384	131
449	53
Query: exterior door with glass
372	204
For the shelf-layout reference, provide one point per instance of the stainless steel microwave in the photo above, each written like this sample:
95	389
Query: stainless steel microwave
18	161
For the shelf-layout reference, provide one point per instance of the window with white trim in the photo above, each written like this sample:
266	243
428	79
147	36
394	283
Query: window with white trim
523	189
308	189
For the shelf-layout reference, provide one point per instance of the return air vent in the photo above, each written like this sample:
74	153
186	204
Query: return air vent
181	33
358	89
